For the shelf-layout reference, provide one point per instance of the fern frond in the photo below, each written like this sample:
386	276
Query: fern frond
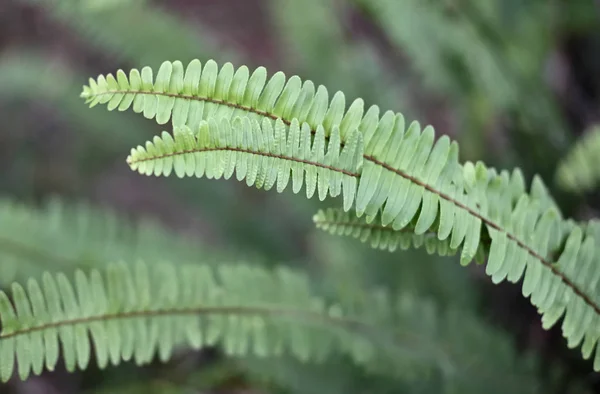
263	155
199	93
336	221
406	175
35	77
433	40
61	236
371	230
137	312
134	31
466	367
579	171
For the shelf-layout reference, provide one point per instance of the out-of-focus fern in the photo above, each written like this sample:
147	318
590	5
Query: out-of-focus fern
64	236
465	341
33	77
133	30
579	171
309	29
139	312
307	32
433	40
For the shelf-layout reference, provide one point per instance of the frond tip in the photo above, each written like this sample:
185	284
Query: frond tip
263	155
135	312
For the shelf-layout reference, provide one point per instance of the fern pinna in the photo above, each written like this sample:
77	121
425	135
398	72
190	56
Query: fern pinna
389	172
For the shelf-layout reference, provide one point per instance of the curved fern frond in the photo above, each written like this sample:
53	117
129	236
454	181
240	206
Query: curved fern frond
137	312
60	236
263	155
371	230
579	171
199	93
406	175
467	364
336	221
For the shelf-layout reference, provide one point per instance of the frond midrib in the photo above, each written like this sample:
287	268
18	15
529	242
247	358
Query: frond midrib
512	237
299	314
249	151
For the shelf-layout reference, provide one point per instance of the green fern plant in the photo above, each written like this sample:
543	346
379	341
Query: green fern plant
133	312
403	175
579	171
138	312
65	235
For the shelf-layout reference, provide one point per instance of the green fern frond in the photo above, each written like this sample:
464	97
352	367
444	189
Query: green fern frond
135	312
198	93
406	175
335	221
579	171
63	236
138	312
371	230
468	366
263	155
435	40
134	31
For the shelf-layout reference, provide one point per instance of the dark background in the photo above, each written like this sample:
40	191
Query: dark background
515	82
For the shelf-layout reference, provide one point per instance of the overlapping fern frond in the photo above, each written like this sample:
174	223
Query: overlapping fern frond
65	235
405	176
137	312
373	231
579	171
462	363
338	222
263	155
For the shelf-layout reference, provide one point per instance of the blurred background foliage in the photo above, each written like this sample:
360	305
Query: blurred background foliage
515	82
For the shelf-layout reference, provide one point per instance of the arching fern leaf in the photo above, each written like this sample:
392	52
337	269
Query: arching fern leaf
137	312
336	221
406	177
263	155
